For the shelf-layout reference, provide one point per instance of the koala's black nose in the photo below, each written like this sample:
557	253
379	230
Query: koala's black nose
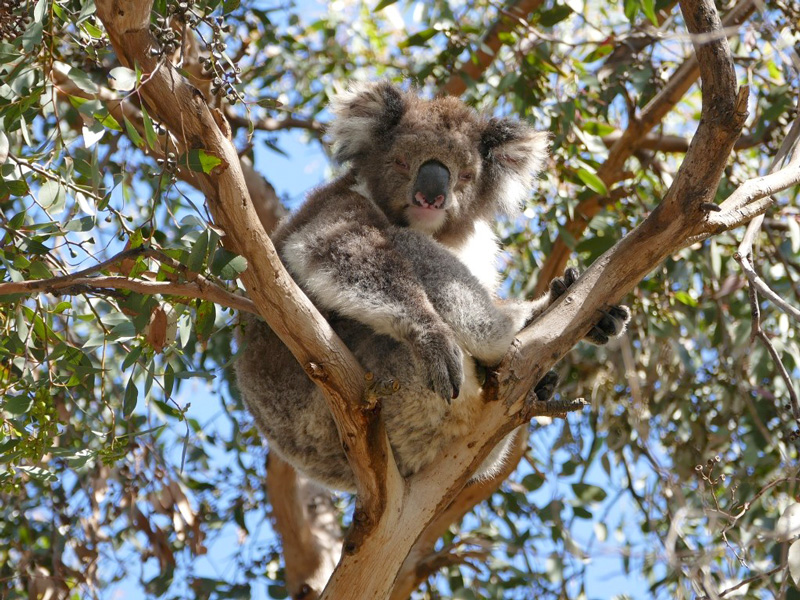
432	184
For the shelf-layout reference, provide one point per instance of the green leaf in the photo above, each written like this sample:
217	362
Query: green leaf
39	11
201	161
533	482
52	196
169	381
592	181
4	146
132	357
588	493
228	6
94	32
227	265
168	409
123	78
206	314
149	130
15	222
86	223
199	252
555	15
133	134
685	298
649	8
383	4
18	405
82	80
15	187
632	9
598	53
419	39
598	128
130	399
39	270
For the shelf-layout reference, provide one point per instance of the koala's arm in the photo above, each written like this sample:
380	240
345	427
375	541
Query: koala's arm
342	253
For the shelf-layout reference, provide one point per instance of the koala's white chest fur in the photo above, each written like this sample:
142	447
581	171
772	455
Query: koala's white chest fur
479	253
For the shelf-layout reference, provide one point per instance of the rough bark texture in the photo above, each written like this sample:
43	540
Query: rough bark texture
306	520
183	110
392	514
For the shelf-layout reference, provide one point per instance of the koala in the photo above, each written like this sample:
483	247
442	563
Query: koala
399	255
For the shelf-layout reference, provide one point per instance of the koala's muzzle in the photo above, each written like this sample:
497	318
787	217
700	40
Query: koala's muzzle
432	185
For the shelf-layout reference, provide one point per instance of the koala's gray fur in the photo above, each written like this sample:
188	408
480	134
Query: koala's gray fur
399	255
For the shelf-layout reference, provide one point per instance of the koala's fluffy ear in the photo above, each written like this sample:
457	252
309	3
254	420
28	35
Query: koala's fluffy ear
514	153
363	115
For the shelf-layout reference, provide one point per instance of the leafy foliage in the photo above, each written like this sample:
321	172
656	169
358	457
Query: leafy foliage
677	477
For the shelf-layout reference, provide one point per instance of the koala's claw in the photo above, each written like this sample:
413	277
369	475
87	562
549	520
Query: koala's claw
540	402
560	285
610	325
546	388
440	358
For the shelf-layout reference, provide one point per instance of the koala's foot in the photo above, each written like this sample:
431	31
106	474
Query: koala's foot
546	388
611	324
540	403
440	360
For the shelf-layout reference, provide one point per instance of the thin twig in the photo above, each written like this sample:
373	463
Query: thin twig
70	285
784	374
762	287
80	282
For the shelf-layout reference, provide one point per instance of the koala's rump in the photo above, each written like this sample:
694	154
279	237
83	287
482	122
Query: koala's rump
291	412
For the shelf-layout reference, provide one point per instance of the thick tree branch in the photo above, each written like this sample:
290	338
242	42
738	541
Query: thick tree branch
626	144
306	520
289	312
676	143
410	577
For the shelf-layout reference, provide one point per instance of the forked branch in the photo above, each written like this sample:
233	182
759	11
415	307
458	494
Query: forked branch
279	300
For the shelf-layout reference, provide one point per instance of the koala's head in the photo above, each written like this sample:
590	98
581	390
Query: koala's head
434	165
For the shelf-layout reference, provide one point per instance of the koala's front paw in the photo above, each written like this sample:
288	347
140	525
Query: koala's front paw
611	324
546	388
560	285
440	359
